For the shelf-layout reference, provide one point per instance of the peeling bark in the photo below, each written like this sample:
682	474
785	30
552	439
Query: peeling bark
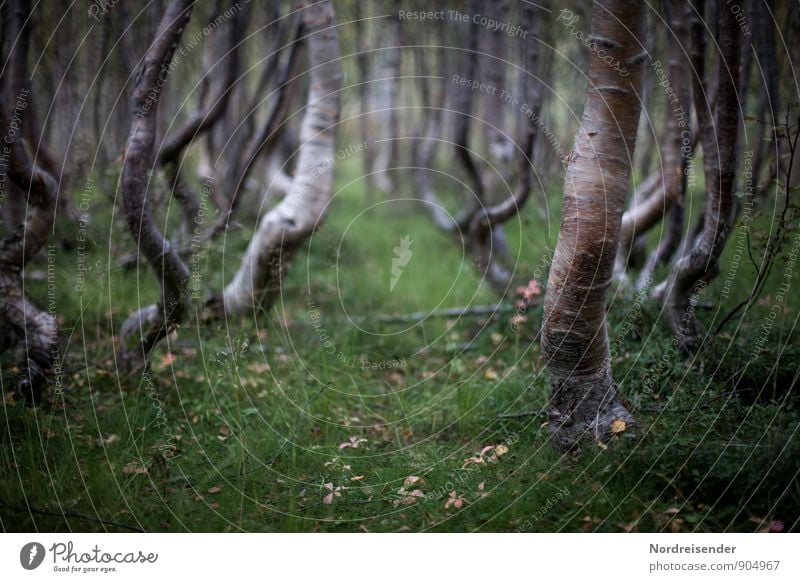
144	328
584	399
287	226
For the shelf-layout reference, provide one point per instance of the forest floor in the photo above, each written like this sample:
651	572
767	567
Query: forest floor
322	416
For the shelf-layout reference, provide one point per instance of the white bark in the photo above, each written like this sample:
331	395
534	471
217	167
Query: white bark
287	225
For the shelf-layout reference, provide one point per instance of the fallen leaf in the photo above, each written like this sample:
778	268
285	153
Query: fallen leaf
352	443
617	426
214	489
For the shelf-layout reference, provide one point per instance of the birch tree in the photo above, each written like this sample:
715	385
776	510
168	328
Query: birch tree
584	399
284	228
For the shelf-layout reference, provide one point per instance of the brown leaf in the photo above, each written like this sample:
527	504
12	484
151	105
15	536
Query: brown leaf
617	426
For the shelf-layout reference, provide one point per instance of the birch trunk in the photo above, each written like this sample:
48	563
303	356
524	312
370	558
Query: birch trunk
584	399
287	226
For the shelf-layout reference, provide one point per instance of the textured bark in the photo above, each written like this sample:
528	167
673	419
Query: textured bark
719	139
144	328
584	399
649	211
667	246
288	225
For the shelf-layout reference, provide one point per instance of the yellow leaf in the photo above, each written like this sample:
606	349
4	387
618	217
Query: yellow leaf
617	426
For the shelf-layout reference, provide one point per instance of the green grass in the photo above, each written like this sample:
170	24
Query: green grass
258	409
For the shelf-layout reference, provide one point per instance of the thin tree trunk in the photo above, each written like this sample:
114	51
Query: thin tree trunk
144	328
362	64
501	148
719	155
584	399
171	153
386	97
649	211
267	139
288	225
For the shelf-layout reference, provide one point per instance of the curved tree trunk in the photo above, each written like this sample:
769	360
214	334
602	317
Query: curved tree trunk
584	399
719	140
649	211
144	328
268	138
487	220
287	226
480	226
20	320
171	153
